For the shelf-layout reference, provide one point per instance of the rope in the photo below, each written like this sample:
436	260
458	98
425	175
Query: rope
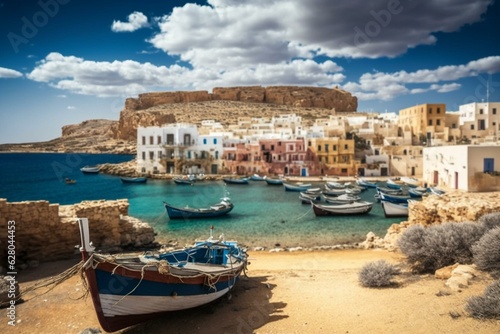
304	213
52	282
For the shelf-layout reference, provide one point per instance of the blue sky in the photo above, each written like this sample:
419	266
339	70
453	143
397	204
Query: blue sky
66	61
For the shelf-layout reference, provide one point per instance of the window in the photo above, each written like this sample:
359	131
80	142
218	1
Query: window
438	122
215	141
151	140
204	141
160	154
319	148
334	147
346	146
143	154
326	147
272	147
480	111
158	140
472	127
430	122
494	111
430	110
151	155
143	140
438	110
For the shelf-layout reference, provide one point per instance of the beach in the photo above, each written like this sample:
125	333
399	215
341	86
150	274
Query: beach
286	292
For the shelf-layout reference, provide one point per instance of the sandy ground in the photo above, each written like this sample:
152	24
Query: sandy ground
302	292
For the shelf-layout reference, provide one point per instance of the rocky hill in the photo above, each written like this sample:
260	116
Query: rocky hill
223	105
92	136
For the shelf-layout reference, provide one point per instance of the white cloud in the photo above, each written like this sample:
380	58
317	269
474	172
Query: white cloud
127	78
8	73
136	20
232	33
71	108
387	86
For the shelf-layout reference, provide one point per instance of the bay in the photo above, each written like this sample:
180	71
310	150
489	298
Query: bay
263	215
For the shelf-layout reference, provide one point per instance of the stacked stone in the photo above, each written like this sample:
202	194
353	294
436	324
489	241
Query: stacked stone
453	207
45	232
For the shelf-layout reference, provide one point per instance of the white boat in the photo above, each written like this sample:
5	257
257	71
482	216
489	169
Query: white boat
355	208
395	209
342	199
410	181
296	186
90	169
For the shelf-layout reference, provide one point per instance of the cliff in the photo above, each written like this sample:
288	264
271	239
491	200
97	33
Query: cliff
225	105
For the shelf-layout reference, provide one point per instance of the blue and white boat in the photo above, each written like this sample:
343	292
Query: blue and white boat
394	198
235	180
395	209
90	169
296	186
257	177
134	179
274	182
436	191
224	207
392	184
365	183
130	289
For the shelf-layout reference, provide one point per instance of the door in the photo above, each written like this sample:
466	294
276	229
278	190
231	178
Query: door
303	172
384	171
456	180
489	165
413	171
436	177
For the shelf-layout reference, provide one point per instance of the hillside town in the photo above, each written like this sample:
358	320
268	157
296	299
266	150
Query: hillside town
457	150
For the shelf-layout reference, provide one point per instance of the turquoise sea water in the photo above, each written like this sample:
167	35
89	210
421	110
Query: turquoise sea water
263	215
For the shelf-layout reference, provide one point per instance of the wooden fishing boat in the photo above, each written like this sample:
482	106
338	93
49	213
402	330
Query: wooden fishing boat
130	289
274	182
355	208
134	179
410	181
395	209
392	184
436	191
234	180
394	198
307	196
364	183
414	193
296	186
183	181
257	177
216	210
342	199
90	169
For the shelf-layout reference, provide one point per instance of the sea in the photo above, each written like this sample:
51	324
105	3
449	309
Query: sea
263	215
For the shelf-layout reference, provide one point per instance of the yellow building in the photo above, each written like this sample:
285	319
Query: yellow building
424	120
332	155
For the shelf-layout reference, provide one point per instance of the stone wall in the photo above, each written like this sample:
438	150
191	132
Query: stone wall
454	206
45	232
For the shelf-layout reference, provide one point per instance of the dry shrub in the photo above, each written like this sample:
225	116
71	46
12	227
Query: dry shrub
490	220
378	274
487	252
486	306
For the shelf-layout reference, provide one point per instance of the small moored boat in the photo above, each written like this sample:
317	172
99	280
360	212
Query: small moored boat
134	179
257	177
90	169
274	182
130	289
296	186
183	181
216	210
395	209
233	180
355	208
69	181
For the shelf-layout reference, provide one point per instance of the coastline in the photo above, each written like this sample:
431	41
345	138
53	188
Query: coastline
303	292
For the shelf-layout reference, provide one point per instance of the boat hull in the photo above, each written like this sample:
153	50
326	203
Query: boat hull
342	209
394	209
236	181
191	213
134	179
274	182
296	187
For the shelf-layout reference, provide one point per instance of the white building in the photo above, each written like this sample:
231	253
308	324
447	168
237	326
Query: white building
160	149
480	119
464	167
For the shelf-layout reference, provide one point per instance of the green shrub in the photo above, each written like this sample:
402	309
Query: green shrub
487	252
486	306
490	220
437	246
378	274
